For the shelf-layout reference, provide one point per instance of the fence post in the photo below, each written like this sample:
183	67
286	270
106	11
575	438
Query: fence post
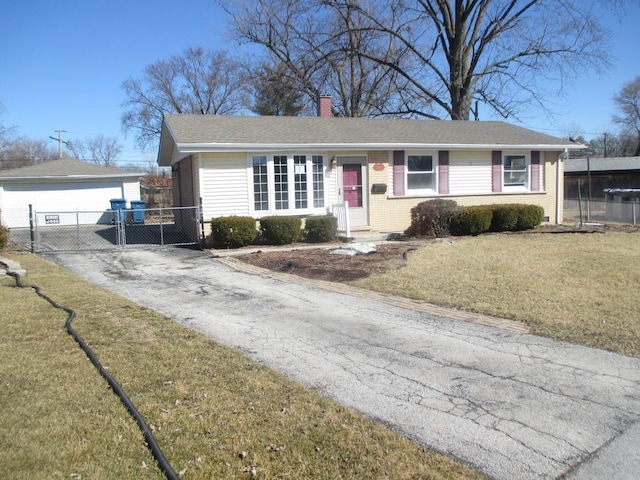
580	201
200	220
77	229
31	229
161	228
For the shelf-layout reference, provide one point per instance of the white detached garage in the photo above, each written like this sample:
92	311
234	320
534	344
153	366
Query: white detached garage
63	186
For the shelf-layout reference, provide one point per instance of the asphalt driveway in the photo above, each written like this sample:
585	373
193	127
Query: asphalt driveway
511	405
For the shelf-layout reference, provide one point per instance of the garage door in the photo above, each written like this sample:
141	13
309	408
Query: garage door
57	197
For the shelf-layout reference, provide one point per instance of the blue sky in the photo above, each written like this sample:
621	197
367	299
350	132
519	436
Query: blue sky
63	61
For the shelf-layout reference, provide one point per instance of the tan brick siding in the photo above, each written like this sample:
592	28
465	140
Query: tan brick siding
389	214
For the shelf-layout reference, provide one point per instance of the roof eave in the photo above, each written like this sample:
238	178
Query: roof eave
184	149
167	150
72	177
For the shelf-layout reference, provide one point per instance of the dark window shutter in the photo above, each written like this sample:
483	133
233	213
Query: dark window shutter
443	171
535	171
398	173
496	171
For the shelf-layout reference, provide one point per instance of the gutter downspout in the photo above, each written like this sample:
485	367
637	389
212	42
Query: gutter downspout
559	198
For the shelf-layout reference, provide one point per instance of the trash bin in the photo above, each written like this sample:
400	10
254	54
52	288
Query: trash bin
137	211
119	206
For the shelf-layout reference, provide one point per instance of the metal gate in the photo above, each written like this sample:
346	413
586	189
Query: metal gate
110	229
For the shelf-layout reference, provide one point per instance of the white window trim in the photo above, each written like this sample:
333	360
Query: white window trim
434	164
527	162
250	183
310	210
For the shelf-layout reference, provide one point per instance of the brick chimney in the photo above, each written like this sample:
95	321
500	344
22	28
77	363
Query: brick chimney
324	106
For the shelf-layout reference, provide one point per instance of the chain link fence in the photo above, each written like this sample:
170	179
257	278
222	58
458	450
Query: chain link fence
103	230
601	211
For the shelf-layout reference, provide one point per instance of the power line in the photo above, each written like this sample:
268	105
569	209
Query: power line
60	141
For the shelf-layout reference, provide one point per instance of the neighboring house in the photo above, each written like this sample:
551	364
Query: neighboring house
600	174
269	165
64	185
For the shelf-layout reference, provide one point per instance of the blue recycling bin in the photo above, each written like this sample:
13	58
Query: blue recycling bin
137	211
119	206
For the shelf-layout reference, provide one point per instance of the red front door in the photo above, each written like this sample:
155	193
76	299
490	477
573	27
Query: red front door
352	188
352	184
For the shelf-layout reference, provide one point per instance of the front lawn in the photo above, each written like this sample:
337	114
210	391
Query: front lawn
578	287
215	413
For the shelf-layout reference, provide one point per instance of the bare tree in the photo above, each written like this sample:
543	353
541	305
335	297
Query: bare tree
197	81
23	151
319	43
441	55
100	150
5	132
628	104
498	52
613	145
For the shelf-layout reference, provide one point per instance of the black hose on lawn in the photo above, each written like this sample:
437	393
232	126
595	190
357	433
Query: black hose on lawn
163	463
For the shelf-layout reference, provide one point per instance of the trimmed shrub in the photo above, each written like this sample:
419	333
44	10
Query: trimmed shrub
472	221
321	228
4	236
516	216
505	217
432	218
280	230
529	216
232	232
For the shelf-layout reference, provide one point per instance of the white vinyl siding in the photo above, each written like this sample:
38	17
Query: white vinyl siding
57	197
224	187
469	173
131	191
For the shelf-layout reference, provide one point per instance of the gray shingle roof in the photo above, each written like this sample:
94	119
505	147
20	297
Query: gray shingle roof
187	133
65	168
305	130
602	164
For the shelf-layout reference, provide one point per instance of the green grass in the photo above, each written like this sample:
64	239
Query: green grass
582	288
215	413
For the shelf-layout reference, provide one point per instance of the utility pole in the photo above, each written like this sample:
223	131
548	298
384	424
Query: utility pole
60	141
605	145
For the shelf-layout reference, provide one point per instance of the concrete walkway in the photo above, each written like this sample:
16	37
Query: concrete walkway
512	405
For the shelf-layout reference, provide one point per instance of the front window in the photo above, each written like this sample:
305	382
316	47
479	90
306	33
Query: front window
515	172
260	183
420	172
281	181
288	183
318	181
300	180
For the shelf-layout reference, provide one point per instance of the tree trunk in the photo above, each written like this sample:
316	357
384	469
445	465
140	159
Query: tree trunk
458	57
460	103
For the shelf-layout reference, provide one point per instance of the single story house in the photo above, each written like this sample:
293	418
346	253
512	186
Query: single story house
63	186
600	174
270	165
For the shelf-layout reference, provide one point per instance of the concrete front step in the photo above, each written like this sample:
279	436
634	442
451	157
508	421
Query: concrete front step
7	265
367	237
